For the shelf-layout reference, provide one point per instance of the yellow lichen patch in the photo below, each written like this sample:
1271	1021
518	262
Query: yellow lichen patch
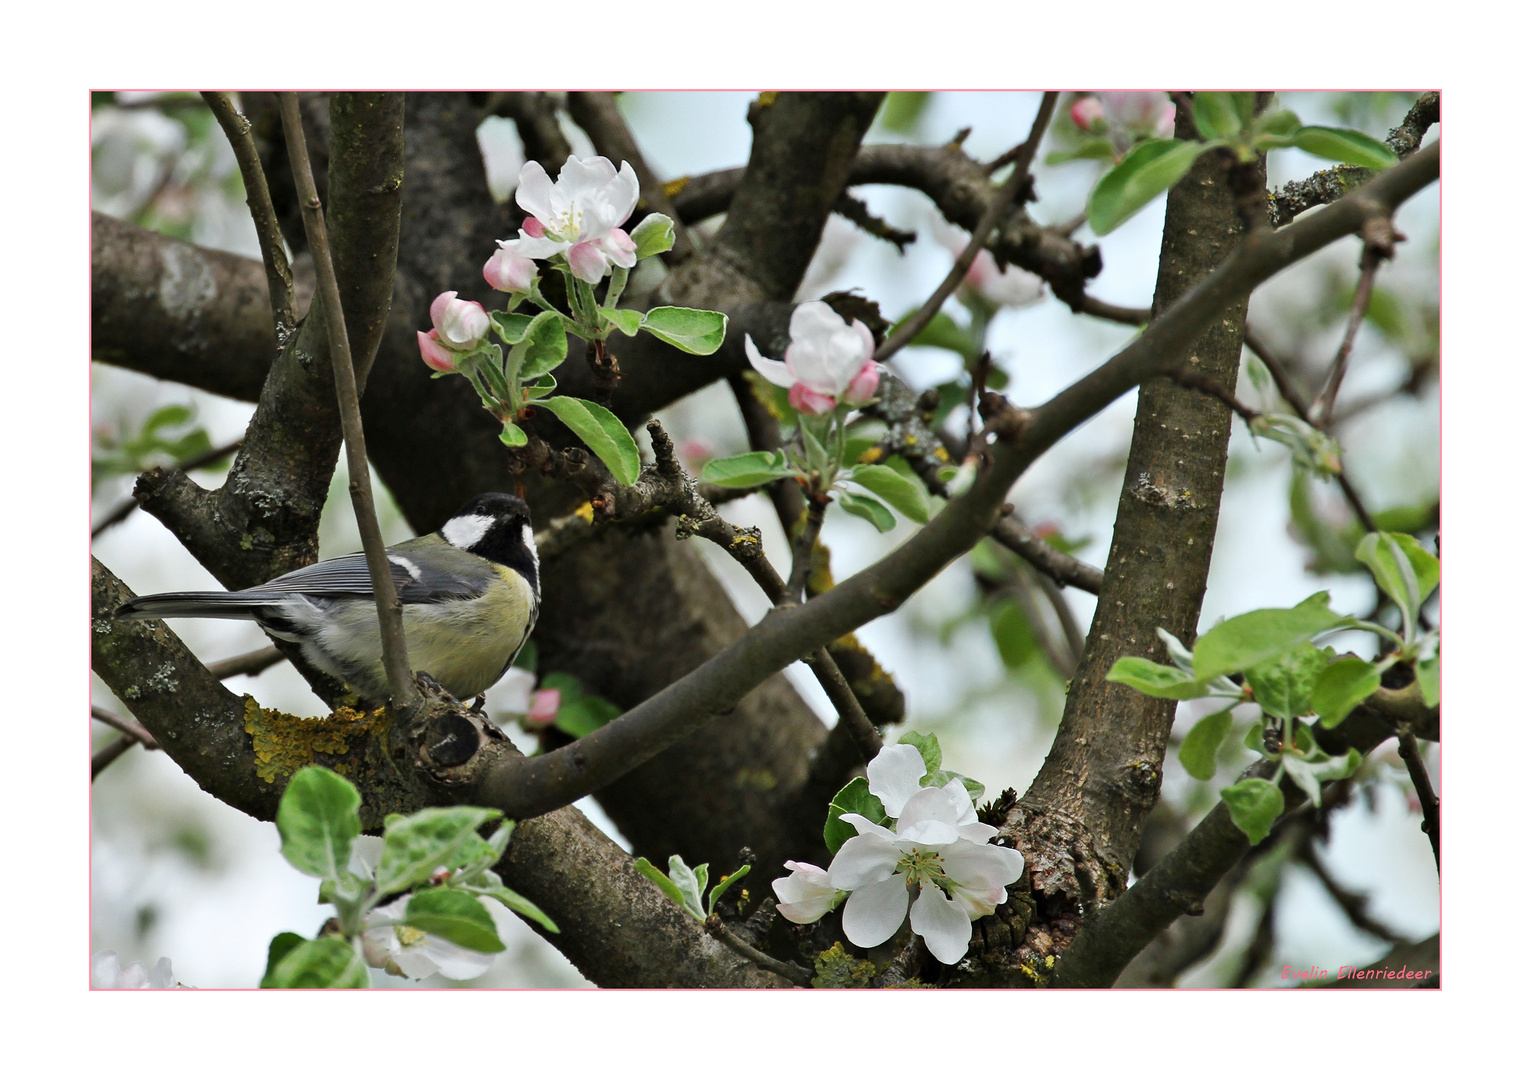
746	539
586	513
834	968
767	98
284	743
940	454
674	187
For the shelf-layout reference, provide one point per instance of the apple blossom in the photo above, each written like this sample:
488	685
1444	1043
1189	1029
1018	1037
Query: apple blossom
939	851
805	895
399	949
578	217
1086	112
460	327
828	362
508	272
1011	287
1125	116
544	707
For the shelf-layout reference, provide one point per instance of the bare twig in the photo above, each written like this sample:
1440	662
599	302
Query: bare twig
997	207
131	728
389	609
127	506
258	196
764	433
1193	380
856	212
1353	904
1379	236
1089	305
110	753
1429	804
795	973
250	663
802	552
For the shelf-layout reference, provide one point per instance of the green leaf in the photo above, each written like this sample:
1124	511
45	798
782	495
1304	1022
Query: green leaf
328	963
1428	674
722	887
942	332
1013	634
1198	750
540	387
690	884
415	847
1254	738
1342	144
657	876
654	235
1283	685
1404	570
1098	149
488	883
1254	805
903	494
544	347
688	329
1156	680
901	109
511	435
1149	168
941	777
599	429
1249	640
1342	686
1278	123
864	506
747	470
317	820
579	716
624	319
511	327
930	751
1318	768
281	945
455	916
1217	113
853	798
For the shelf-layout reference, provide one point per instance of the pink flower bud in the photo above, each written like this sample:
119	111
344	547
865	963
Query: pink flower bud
863	385
809	401
509	272
532	227
1086	113
435	354
460	324
544	707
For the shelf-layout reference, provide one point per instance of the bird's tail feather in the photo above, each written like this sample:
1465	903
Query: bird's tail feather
195	605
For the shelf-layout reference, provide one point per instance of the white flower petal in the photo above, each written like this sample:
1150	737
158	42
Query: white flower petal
865	826
874	913
942	923
894	774
773	371
534	192
927	833
806	895
981	864
863	860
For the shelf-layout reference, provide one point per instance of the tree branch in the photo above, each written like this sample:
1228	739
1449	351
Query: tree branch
258	197
1430	805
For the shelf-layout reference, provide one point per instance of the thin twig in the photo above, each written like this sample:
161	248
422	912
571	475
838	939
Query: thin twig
131	728
802	552
110	753
764	433
389	610
1101	309
1353	904
258	196
1370	261
1001	202
127	506
796	974
250	663
1430	806
1294	397
1193	380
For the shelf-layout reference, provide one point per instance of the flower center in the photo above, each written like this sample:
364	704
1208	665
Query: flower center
408	935
921	865
565	226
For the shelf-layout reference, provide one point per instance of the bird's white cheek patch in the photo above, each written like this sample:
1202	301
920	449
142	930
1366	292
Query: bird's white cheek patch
464	532
531	545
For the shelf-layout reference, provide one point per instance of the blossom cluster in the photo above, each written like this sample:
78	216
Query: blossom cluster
1125	116
935	866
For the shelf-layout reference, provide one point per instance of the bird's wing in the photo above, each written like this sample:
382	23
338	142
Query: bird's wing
348	576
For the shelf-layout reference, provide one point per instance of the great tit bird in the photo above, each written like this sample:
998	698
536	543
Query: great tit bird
470	592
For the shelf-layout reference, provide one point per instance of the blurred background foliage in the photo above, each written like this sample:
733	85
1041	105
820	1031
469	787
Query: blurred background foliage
983	653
